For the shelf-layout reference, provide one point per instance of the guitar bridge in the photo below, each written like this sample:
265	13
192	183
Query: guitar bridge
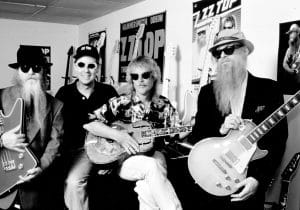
9	165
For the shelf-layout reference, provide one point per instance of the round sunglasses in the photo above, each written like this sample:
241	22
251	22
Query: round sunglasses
227	50
35	68
91	66
145	75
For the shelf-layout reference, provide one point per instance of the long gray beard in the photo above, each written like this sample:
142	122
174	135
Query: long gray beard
35	100
227	85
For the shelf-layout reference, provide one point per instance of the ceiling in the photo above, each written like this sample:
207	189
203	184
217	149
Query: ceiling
60	11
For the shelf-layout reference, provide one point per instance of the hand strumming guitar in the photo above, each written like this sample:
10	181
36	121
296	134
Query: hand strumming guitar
231	122
123	137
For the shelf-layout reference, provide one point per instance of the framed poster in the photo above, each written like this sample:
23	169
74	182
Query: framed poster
288	67
143	36
209	17
98	40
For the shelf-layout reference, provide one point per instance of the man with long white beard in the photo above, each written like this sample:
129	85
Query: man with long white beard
43	129
223	105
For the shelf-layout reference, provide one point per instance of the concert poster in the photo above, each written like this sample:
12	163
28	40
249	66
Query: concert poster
98	40
209	17
150	42
287	76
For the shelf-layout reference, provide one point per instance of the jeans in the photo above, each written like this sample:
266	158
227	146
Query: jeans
76	197
152	186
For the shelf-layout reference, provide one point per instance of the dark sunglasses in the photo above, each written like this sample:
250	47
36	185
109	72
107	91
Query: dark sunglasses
145	75
227	50
35	68
89	66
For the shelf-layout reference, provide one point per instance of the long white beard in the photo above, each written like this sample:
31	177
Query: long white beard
228	84
35	99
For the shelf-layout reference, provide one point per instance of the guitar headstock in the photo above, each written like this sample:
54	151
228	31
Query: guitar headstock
101	40
70	51
140	31
116	48
170	50
290	169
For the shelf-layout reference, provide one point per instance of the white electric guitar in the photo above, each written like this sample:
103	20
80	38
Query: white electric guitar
170	93
138	37
218	164
99	45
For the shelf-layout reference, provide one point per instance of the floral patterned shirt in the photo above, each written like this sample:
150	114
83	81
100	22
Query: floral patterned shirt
129	108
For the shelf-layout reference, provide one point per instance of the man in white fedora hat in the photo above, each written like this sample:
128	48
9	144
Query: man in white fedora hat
223	106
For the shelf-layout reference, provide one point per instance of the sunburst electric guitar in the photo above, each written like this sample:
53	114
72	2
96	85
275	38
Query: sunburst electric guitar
13	164
217	164
103	151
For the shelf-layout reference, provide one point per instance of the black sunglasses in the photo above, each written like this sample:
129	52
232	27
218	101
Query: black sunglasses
145	75
89	66
35	68
227	50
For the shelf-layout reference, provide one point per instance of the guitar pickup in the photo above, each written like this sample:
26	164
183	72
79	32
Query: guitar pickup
9	165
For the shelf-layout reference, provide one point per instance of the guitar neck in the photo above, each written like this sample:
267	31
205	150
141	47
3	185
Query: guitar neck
283	194
136	47
165	131
264	127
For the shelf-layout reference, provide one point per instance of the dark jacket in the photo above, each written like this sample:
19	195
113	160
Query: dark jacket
262	98
43	141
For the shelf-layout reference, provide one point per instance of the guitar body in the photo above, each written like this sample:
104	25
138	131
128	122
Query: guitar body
218	164
103	151
13	164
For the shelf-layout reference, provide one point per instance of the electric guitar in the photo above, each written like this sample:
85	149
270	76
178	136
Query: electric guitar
218	164
13	164
169	54
103	151
123	88
138	36
100	44
67	78
286	178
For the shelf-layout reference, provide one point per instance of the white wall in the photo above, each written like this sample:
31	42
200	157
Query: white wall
260	23
58	36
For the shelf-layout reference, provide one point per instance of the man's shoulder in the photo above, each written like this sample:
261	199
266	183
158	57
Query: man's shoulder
265	82
102	88
53	100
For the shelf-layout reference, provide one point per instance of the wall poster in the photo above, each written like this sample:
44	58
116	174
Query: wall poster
143	36
209	17
288	68
98	40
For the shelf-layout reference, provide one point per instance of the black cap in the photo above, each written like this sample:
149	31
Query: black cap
87	50
30	55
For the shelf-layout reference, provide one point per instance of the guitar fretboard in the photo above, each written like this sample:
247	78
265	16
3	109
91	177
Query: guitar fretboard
165	131
259	131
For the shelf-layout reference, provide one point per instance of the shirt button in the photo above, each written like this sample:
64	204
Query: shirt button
83	98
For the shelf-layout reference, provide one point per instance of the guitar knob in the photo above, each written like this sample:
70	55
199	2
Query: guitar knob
228	187
20	166
228	178
21	155
219	185
236	181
